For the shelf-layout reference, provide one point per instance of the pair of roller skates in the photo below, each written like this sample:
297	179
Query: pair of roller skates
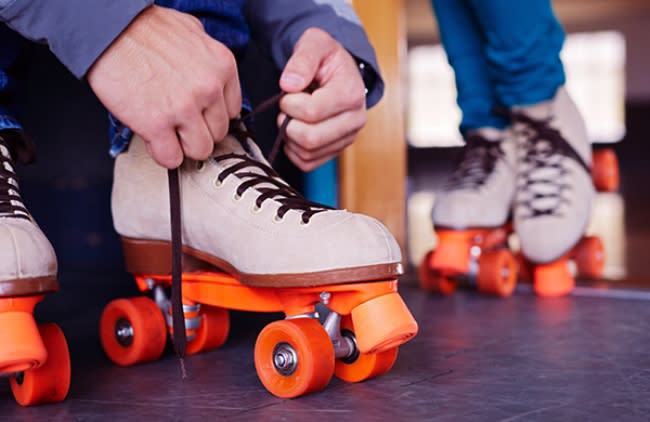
551	199
289	256
33	357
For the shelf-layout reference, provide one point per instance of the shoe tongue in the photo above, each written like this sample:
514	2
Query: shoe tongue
539	111
231	145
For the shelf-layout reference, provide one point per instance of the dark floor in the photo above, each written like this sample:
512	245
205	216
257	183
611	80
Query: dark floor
475	358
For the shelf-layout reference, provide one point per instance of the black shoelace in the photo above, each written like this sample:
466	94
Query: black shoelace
478	159
543	166
268	183
11	203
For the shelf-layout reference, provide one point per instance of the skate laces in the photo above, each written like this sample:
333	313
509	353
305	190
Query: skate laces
254	174
542	181
11	203
478	159
261	177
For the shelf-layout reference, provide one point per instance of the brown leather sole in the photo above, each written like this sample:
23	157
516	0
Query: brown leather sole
28	286
154	257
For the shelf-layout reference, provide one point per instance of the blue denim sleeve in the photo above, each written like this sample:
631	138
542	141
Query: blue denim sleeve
278	24
77	31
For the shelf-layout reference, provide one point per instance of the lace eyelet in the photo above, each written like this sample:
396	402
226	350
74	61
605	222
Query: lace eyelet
302	223
236	196
200	165
217	183
255	209
278	219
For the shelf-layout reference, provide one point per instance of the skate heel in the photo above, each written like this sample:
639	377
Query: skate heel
453	252
147	256
21	346
383	323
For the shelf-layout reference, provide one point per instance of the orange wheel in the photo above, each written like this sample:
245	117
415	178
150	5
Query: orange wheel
213	331
497	274
133	331
51	381
605	171
294	357
362	366
553	279
590	257
432	281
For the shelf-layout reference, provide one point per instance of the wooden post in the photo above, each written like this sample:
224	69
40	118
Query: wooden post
372	172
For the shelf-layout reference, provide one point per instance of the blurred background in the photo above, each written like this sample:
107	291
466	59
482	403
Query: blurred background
68	189
606	61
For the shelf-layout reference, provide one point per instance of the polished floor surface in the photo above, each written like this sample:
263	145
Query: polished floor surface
475	358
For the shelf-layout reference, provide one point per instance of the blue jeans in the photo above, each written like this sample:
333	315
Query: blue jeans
11	45
503	52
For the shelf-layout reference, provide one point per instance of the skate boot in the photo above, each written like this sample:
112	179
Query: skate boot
470	219
35	358
554	189
251	242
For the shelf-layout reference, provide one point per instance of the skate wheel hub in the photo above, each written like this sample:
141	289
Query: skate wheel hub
124	332
349	337
20	378
285	359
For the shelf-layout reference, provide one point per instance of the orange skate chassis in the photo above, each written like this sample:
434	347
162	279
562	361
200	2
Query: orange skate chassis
35	358
481	258
358	340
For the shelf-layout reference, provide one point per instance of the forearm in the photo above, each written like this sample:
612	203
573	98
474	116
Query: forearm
77	31
278	24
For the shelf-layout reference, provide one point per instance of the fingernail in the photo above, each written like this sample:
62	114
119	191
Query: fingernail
292	80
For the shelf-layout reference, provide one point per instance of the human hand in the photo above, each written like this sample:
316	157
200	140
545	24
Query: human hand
326	120
171	83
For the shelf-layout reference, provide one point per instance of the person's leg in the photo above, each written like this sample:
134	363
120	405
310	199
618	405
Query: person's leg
555	192
28	266
523	40
479	193
27	261
464	44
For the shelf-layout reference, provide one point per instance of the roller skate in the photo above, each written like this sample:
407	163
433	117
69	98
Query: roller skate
471	221
251	242
34	357
554	195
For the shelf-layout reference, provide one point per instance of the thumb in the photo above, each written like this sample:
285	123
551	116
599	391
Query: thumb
303	65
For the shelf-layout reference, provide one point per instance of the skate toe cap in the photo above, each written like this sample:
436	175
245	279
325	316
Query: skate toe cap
25	252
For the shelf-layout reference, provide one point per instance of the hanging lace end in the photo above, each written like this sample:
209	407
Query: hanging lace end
181	362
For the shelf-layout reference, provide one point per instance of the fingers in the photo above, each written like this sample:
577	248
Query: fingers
309	145
325	102
195	137
314	46
166	150
340	86
310	160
